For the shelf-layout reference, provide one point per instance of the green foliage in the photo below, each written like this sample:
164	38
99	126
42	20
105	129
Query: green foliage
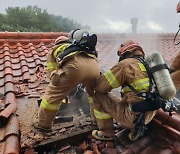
34	19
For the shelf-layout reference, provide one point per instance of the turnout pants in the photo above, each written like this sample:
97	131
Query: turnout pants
176	79
108	107
176	74
79	69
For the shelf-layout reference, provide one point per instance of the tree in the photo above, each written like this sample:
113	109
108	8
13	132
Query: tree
32	18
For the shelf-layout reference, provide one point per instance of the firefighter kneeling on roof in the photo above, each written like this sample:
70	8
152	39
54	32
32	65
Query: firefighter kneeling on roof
130	74
74	60
175	66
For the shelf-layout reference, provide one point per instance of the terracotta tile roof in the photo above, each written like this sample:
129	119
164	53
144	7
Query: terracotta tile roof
22	54
108	45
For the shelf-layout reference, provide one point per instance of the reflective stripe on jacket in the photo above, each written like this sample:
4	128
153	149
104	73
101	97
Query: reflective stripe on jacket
52	64
111	79
140	84
60	49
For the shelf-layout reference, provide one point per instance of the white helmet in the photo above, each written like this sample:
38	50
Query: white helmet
83	37
78	34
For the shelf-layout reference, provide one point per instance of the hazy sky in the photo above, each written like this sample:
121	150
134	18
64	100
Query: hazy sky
156	16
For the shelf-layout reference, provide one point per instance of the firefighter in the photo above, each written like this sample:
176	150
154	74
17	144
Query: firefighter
175	75
175	66
75	62
128	71
52	64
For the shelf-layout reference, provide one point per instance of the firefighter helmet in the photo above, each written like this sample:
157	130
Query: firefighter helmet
178	8
126	46
61	39
83	37
78	35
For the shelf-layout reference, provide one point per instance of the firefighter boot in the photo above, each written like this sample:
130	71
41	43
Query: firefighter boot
106	130
45	119
133	136
40	127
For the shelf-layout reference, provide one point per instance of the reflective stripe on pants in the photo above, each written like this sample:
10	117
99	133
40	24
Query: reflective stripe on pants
101	115
48	106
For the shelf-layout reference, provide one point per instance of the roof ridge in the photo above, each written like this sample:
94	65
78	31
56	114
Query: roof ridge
31	35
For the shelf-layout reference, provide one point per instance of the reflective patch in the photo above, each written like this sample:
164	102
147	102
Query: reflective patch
91	55
101	115
142	67
48	106
52	66
61	48
139	85
111	79
90	100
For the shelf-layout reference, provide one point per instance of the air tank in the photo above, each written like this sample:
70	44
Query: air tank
161	76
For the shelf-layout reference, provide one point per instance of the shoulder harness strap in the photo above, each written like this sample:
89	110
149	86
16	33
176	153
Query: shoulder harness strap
73	48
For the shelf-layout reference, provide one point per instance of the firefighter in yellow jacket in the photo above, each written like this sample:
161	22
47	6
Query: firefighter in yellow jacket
129	71
175	75
52	65
68	65
175	66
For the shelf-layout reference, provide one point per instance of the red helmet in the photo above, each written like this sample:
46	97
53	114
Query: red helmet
61	39
178	8
127	45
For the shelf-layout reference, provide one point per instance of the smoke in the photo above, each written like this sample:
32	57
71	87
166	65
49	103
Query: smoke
111	16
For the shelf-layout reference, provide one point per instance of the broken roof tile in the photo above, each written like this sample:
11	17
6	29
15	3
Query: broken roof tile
165	119
11	136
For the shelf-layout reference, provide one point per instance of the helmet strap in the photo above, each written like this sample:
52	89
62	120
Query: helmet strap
176	36
125	55
74	32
